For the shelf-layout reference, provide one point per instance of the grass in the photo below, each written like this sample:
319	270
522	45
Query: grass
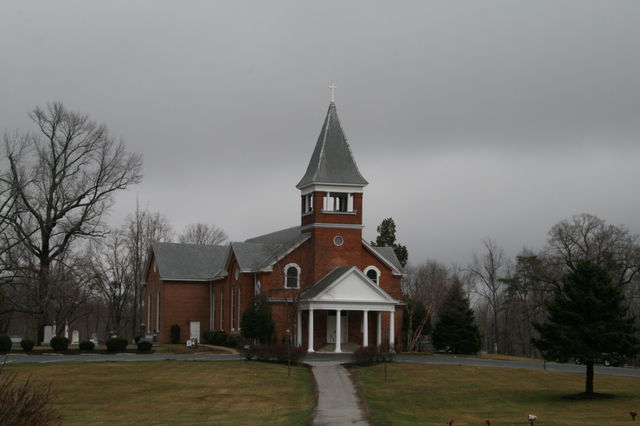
433	394
177	392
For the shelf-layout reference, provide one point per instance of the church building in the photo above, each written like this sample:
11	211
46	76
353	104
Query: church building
325	283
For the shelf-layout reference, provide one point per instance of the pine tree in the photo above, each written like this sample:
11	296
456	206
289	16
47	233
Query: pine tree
256	322
456	328
387	237
588	320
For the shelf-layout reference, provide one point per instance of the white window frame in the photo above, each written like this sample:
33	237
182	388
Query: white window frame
286	277
373	268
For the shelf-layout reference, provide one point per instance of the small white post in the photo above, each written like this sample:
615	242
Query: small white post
379	329
338	330
310	331
299	330
365	328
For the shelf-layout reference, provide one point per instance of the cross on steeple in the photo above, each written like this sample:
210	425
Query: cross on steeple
333	88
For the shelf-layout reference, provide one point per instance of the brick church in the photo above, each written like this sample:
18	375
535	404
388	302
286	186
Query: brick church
325	283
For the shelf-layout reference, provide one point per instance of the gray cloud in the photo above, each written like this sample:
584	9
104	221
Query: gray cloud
468	118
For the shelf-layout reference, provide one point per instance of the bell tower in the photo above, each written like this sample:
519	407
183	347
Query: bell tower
331	197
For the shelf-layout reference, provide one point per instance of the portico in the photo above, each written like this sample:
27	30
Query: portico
346	294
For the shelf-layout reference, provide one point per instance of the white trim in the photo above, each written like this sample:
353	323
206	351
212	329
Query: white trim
373	268
331	187
331	225
231	308
347	306
286	276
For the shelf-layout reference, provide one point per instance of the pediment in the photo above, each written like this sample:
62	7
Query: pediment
346	285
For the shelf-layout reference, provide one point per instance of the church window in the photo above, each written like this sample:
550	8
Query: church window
373	274
212	325
233	312
308	203
149	314
292	276
237	273
158	312
338	202
221	310
338	240
239	303
257	287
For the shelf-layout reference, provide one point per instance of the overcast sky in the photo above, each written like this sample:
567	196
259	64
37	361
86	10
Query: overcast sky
470	119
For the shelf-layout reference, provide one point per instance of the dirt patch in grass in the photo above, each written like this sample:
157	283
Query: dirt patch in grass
177	392
432	394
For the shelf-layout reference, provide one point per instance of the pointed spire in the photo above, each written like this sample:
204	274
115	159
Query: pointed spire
332	162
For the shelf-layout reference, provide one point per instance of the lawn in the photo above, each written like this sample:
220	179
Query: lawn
433	394
177	392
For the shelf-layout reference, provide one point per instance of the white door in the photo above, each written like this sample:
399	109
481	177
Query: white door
331	327
194	330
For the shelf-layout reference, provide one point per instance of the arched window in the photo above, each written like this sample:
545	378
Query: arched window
373	274
292	276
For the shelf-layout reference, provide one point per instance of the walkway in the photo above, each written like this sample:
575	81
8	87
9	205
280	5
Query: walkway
337	400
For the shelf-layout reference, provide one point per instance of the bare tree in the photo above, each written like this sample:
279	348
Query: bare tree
112	275
487	272
587	237
425	287
201	233
143	228
63	178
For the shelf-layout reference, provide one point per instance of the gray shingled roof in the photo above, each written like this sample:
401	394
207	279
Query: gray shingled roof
390	255
332	161
324	282
189	261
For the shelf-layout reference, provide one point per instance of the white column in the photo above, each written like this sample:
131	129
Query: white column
310	331
338	329
299	330
379	329
365	328
391	329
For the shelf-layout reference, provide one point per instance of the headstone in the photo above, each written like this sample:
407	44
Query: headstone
66	330
94	338
15	340
49	332
75	337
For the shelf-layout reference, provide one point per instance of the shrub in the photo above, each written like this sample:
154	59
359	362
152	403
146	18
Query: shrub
273	353
220	338
386	353
86	345
27	345
144	346
175	334
117	344
5	343
59	343
26	403
365	355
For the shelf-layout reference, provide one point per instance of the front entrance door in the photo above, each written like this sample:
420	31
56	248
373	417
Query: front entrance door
331	327
194	330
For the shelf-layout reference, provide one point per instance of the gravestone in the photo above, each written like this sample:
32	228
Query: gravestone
49	332
66	330
94	338
75	337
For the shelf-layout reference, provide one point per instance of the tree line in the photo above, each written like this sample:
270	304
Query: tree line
59	260
510	296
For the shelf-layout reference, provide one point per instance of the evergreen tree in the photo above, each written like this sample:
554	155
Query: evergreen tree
256	322
387	237
456	328
588	320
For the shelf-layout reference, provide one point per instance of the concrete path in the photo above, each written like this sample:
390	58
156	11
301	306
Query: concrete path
337	400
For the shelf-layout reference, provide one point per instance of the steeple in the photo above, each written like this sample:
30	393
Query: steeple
332	162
